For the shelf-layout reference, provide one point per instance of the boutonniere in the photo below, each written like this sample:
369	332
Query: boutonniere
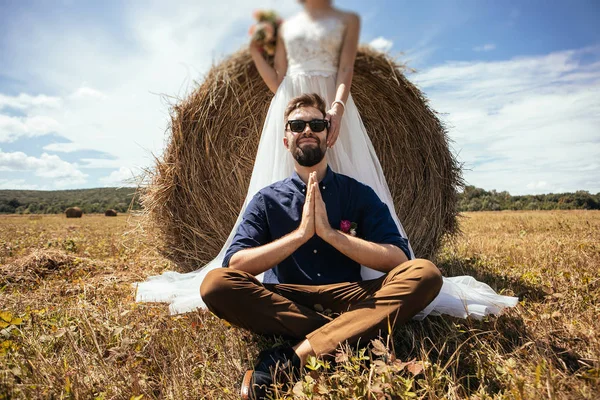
348	227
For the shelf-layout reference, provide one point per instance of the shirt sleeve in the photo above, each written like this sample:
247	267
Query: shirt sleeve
378	226
253	231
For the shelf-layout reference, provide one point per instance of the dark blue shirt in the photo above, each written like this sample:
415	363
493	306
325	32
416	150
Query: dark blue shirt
276	211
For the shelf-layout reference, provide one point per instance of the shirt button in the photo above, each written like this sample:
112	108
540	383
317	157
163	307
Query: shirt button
323	187
303	190
318	274
315	251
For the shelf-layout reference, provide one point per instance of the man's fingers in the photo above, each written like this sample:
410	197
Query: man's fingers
317	191
310	197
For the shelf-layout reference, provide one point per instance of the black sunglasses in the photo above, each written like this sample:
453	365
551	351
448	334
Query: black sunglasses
316	125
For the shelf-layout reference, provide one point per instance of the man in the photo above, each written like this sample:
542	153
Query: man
313	231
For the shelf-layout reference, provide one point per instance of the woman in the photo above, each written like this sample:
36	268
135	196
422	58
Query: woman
315	53
341	49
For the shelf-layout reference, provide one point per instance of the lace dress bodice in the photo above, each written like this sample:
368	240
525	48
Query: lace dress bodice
313	45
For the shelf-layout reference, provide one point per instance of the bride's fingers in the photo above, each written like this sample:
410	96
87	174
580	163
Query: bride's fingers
332	137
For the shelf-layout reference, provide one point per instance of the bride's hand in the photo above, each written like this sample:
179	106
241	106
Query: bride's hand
334	115
254	47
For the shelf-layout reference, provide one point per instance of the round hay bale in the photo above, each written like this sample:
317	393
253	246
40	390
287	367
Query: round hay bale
110	213
199	184
74	212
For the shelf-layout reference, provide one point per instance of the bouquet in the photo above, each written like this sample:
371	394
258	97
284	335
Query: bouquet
264	32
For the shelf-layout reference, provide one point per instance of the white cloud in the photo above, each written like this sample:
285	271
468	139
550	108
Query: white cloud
382	44
485	47
12	128
529	119
537	186
111	83
87	92
46	166
18	184
121	177
100	163
25	101
63	147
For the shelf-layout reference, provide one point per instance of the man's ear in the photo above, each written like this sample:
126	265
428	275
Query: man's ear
286	142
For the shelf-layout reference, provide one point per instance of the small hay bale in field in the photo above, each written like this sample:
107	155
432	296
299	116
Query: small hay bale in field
110	213
199	184
73	212
37	265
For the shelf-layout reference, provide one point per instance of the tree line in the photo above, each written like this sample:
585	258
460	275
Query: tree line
477	199
124	199
57	201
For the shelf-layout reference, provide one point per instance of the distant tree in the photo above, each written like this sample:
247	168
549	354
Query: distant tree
6	209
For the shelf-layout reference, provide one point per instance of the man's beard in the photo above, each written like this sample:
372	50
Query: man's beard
309	155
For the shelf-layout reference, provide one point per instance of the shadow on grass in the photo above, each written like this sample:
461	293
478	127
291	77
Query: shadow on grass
463	349
475	267
474	353
511	329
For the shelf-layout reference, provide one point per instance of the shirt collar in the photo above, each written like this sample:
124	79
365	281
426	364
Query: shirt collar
301	185
328	179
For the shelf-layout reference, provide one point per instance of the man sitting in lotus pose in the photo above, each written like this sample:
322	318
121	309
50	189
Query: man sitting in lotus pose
291	229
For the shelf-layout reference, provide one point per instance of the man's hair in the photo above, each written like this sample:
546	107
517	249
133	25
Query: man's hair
305	100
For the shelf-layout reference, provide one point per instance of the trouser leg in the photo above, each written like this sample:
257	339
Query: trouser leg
239	298
366	307
376	304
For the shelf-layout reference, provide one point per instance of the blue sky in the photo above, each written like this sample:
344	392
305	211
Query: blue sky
516	82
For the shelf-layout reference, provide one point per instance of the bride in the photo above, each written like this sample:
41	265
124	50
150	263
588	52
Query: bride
315	53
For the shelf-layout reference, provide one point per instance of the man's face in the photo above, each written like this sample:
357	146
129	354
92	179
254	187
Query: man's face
307	147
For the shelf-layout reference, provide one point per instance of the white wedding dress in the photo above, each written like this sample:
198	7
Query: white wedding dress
313	47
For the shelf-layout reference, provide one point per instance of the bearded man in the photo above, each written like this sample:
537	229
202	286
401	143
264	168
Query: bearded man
312	232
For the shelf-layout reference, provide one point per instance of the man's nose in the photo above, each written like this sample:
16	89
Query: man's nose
307	129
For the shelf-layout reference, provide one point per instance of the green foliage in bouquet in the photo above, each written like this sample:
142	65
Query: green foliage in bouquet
264	32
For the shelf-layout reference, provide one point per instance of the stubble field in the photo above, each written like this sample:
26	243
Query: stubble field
69	327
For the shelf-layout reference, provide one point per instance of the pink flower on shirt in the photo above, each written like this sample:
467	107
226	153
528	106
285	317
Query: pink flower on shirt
348	227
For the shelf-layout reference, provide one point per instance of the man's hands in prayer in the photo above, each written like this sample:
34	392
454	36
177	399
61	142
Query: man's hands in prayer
314	214
307	225
322	227
382	257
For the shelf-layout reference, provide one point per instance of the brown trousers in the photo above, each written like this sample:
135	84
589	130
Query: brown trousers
290	310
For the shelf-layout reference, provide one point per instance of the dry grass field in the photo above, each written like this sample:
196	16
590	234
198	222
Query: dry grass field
69	327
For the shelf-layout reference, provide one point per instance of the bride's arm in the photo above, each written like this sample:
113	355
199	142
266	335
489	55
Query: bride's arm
271	76
344	75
